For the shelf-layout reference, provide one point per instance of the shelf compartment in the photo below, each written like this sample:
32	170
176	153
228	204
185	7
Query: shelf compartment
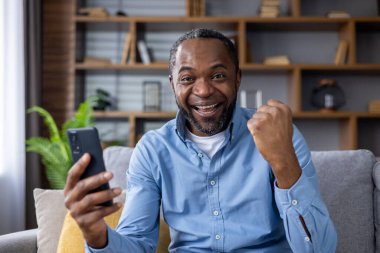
242	8
101	40
367	42
272	85
369	134
159	37
360	86
353	7
115	132
319	40
140	7
126	88
327	133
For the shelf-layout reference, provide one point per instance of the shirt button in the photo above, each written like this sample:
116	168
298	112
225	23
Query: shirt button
216	213
217	237
200	155
307	239
212	182
294	202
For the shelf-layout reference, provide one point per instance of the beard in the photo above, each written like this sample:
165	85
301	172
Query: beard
211	125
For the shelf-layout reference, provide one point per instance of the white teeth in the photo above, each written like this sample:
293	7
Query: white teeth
203	107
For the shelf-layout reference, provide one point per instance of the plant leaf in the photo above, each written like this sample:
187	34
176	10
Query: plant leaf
55	162
83	117
49	122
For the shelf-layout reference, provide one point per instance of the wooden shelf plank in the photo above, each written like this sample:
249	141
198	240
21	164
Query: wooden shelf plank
85	66
334	115
247	66
137	115
344	67
223	19
296	115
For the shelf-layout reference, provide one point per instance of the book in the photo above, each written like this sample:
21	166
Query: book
374	106
269	15
98	12
269	9
143	51
337	14
96	61
341	52
270	3
126	48
277	60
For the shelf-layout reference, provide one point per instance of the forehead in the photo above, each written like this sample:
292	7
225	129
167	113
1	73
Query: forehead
202	50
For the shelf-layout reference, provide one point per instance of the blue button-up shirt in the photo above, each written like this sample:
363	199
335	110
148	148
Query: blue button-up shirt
229	203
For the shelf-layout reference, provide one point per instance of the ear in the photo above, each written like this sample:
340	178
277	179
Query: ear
171	82
238	80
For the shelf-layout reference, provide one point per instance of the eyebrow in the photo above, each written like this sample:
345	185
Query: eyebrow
187	68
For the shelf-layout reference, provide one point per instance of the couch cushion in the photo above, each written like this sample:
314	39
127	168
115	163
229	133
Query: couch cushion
376	177
116	160
347	187
71	239
50	212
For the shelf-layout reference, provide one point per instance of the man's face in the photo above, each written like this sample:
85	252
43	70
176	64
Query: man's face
205	85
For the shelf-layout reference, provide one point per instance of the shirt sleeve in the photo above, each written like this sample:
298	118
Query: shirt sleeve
303	201
138	226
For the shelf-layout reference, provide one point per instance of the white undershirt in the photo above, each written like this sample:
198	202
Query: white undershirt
208	144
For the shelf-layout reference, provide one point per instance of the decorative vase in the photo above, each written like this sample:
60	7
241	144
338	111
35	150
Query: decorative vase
328	96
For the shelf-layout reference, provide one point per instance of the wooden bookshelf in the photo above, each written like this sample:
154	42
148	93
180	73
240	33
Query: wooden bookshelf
304	68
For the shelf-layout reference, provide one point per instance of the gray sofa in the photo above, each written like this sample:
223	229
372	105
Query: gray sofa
349	180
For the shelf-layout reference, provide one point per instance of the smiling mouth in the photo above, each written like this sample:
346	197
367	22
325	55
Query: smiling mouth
205	110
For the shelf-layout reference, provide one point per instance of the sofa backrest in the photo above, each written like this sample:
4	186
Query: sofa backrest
347	181
347	187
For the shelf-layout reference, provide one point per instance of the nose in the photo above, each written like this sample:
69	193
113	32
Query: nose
203	88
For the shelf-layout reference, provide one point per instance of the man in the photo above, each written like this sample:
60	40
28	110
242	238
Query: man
229	179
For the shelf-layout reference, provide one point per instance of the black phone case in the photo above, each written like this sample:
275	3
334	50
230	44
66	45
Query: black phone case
86	140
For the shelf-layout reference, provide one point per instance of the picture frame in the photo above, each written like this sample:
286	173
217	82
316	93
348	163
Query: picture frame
152	96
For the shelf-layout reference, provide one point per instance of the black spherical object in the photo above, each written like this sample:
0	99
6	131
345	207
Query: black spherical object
328	95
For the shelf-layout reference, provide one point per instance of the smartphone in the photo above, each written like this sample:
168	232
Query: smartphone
86	140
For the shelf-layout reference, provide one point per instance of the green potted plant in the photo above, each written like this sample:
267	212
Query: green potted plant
55	150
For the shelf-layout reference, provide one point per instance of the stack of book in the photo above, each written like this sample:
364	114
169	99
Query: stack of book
277	60
374	106
269	8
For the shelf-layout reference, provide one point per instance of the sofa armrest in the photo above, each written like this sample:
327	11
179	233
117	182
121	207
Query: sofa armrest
23	241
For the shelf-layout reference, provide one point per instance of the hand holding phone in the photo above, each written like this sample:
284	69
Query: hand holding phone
86	140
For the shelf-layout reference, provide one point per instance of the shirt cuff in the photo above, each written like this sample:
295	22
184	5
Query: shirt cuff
107	247
299	196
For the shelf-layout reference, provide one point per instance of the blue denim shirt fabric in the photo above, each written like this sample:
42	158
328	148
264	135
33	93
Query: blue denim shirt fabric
229	203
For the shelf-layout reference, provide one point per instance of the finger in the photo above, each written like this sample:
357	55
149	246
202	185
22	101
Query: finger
94	216
275	102
280	105
75	172
84	186
93	201
254	124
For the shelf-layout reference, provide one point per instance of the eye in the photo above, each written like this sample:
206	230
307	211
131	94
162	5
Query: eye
218	76
186	79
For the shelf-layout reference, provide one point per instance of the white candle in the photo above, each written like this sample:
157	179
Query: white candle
243	98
